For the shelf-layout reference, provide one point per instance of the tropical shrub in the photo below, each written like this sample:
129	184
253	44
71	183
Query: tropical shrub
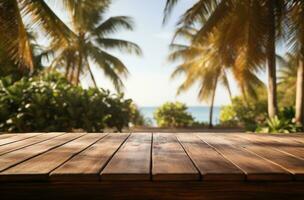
252	115
173	115
247	114
137	118
49	103
283	123
228	116
277	125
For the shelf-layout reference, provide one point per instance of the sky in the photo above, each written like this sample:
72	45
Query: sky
149	83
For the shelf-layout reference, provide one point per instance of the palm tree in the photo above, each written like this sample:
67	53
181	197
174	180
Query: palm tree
200	64
287	79
287	74
249	29
296	28
16	16
203	63
92	31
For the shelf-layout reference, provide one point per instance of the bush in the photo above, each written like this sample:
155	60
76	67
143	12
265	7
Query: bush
283	123
50	103
137	119
252	115
277	125
247	114
173	115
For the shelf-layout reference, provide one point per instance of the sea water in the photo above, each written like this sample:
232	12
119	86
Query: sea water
200	113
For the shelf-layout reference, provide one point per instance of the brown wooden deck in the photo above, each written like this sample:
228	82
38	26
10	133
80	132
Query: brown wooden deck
151	166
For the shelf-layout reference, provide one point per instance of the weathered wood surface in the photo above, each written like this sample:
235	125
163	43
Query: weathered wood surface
211	164
11	138
255	166
170	161
88	164
132	160
151	166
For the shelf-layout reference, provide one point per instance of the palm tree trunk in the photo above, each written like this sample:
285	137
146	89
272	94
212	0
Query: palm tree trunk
92	75
67	71
66	75
300	95
77	78
211	112
212	105
271	63
71	74
80	57
228	86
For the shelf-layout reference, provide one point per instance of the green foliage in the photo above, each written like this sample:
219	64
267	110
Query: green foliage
283	123
137	119
228	115
251	113
288	113
9	70
173	115
49	103
277	125
245	113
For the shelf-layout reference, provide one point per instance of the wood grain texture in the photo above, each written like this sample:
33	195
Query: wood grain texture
170	161
3	136
28	142
132	160
16	137
13	158
291	163
294	137
255	167
72	165
212	165
38	168
87	165
284	144
261	157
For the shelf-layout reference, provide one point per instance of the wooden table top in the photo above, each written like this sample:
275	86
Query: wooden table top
151	157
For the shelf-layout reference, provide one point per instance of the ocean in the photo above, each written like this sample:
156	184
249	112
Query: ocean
200	113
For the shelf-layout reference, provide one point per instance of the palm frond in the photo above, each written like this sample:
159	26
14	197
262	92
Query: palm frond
43	16
211	22
114	24
170	4
14	38
121	45
201	11
112	66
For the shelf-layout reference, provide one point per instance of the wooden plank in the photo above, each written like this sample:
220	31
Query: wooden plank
255	167
271	139
3	136
17	137
284	144
13	158
88	164
211	164
298	138
38	168
291	163
28	142
294	137
169	160
132	160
